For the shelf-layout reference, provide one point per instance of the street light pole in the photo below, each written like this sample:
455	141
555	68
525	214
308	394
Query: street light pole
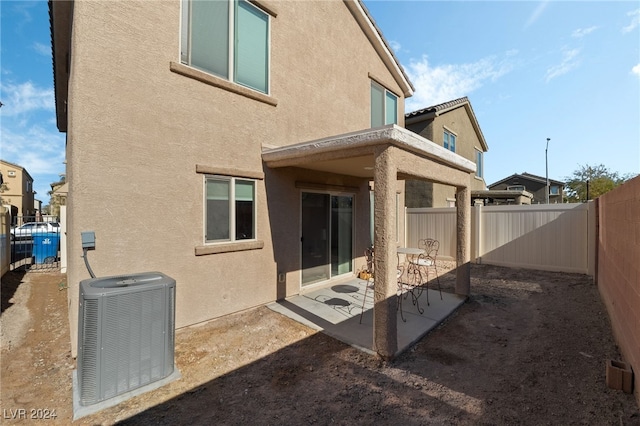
546	164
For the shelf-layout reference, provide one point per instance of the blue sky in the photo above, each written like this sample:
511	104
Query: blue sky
27	118
565	70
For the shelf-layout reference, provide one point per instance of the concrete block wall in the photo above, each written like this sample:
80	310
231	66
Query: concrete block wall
618	268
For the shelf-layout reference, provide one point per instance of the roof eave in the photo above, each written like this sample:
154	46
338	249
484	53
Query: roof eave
366	22
60	15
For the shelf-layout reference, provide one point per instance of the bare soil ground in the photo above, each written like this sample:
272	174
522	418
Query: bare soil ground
528	348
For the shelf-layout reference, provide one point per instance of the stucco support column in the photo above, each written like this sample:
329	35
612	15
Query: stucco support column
463	240
385	332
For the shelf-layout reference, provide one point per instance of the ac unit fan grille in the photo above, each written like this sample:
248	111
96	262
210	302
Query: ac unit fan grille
127	341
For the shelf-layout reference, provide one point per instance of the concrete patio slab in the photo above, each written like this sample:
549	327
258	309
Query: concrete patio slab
336	311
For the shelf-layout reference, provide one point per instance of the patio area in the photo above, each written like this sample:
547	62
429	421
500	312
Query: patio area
336	310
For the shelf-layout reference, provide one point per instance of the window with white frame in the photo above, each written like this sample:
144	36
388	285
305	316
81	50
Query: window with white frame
384	106
449	141
479	163
230	209
515	188
229	39
554	190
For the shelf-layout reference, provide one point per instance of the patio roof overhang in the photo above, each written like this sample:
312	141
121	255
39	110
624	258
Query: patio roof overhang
353	154
385	155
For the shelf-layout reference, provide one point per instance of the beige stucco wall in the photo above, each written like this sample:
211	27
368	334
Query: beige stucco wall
137	130
617	270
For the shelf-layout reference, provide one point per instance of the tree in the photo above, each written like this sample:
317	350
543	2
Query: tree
589	182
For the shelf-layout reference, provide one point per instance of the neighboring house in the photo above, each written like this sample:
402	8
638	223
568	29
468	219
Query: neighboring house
454	126
59	192
500	197
17	192
533	184
238	160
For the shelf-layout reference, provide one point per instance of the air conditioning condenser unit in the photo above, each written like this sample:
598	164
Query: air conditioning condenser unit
126	334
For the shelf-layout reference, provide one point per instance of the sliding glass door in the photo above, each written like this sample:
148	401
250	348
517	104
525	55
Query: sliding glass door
327	236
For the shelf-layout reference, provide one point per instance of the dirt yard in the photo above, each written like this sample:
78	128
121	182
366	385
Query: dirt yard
528	348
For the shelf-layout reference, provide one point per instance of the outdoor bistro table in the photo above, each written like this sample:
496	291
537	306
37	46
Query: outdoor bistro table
410	278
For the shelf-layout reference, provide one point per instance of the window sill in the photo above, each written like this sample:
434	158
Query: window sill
229	247
221	83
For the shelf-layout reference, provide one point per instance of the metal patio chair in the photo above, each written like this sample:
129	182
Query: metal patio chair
368	255
426	262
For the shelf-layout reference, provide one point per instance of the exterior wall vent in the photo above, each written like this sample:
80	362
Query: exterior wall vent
126	334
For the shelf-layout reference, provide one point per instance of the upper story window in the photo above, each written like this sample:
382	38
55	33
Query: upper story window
230	209
554	190
229	39
384	106
516	188
449	141
479	163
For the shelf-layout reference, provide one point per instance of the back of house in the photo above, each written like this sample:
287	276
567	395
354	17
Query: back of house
168	107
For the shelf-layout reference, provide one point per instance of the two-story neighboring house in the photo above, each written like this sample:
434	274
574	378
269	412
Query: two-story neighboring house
536	185
231	146
454	126
17	192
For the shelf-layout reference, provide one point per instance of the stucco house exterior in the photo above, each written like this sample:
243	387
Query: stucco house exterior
241	169
17	192
454	126
533	184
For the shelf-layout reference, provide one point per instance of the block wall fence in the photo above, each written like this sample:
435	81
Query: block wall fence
618	268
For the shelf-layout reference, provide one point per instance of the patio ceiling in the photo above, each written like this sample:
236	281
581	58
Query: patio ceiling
353	153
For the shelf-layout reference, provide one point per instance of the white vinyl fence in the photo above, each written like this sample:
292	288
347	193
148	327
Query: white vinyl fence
552	237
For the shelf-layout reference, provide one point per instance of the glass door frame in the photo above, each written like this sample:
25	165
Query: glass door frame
328	266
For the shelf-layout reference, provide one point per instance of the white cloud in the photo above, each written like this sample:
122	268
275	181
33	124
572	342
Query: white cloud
41	48
41	153
581	32
24	98
636	70
29	136
446	82
635	21
536	13
37	149
569	62
395	46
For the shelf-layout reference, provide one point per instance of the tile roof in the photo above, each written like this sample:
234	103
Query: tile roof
445	106
529	176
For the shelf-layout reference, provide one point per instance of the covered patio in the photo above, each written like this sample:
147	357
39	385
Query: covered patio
386	155
342	311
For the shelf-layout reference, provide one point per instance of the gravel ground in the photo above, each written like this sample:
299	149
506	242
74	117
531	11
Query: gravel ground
528	348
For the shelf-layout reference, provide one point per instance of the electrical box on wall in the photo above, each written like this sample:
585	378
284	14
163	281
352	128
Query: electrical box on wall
88	239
